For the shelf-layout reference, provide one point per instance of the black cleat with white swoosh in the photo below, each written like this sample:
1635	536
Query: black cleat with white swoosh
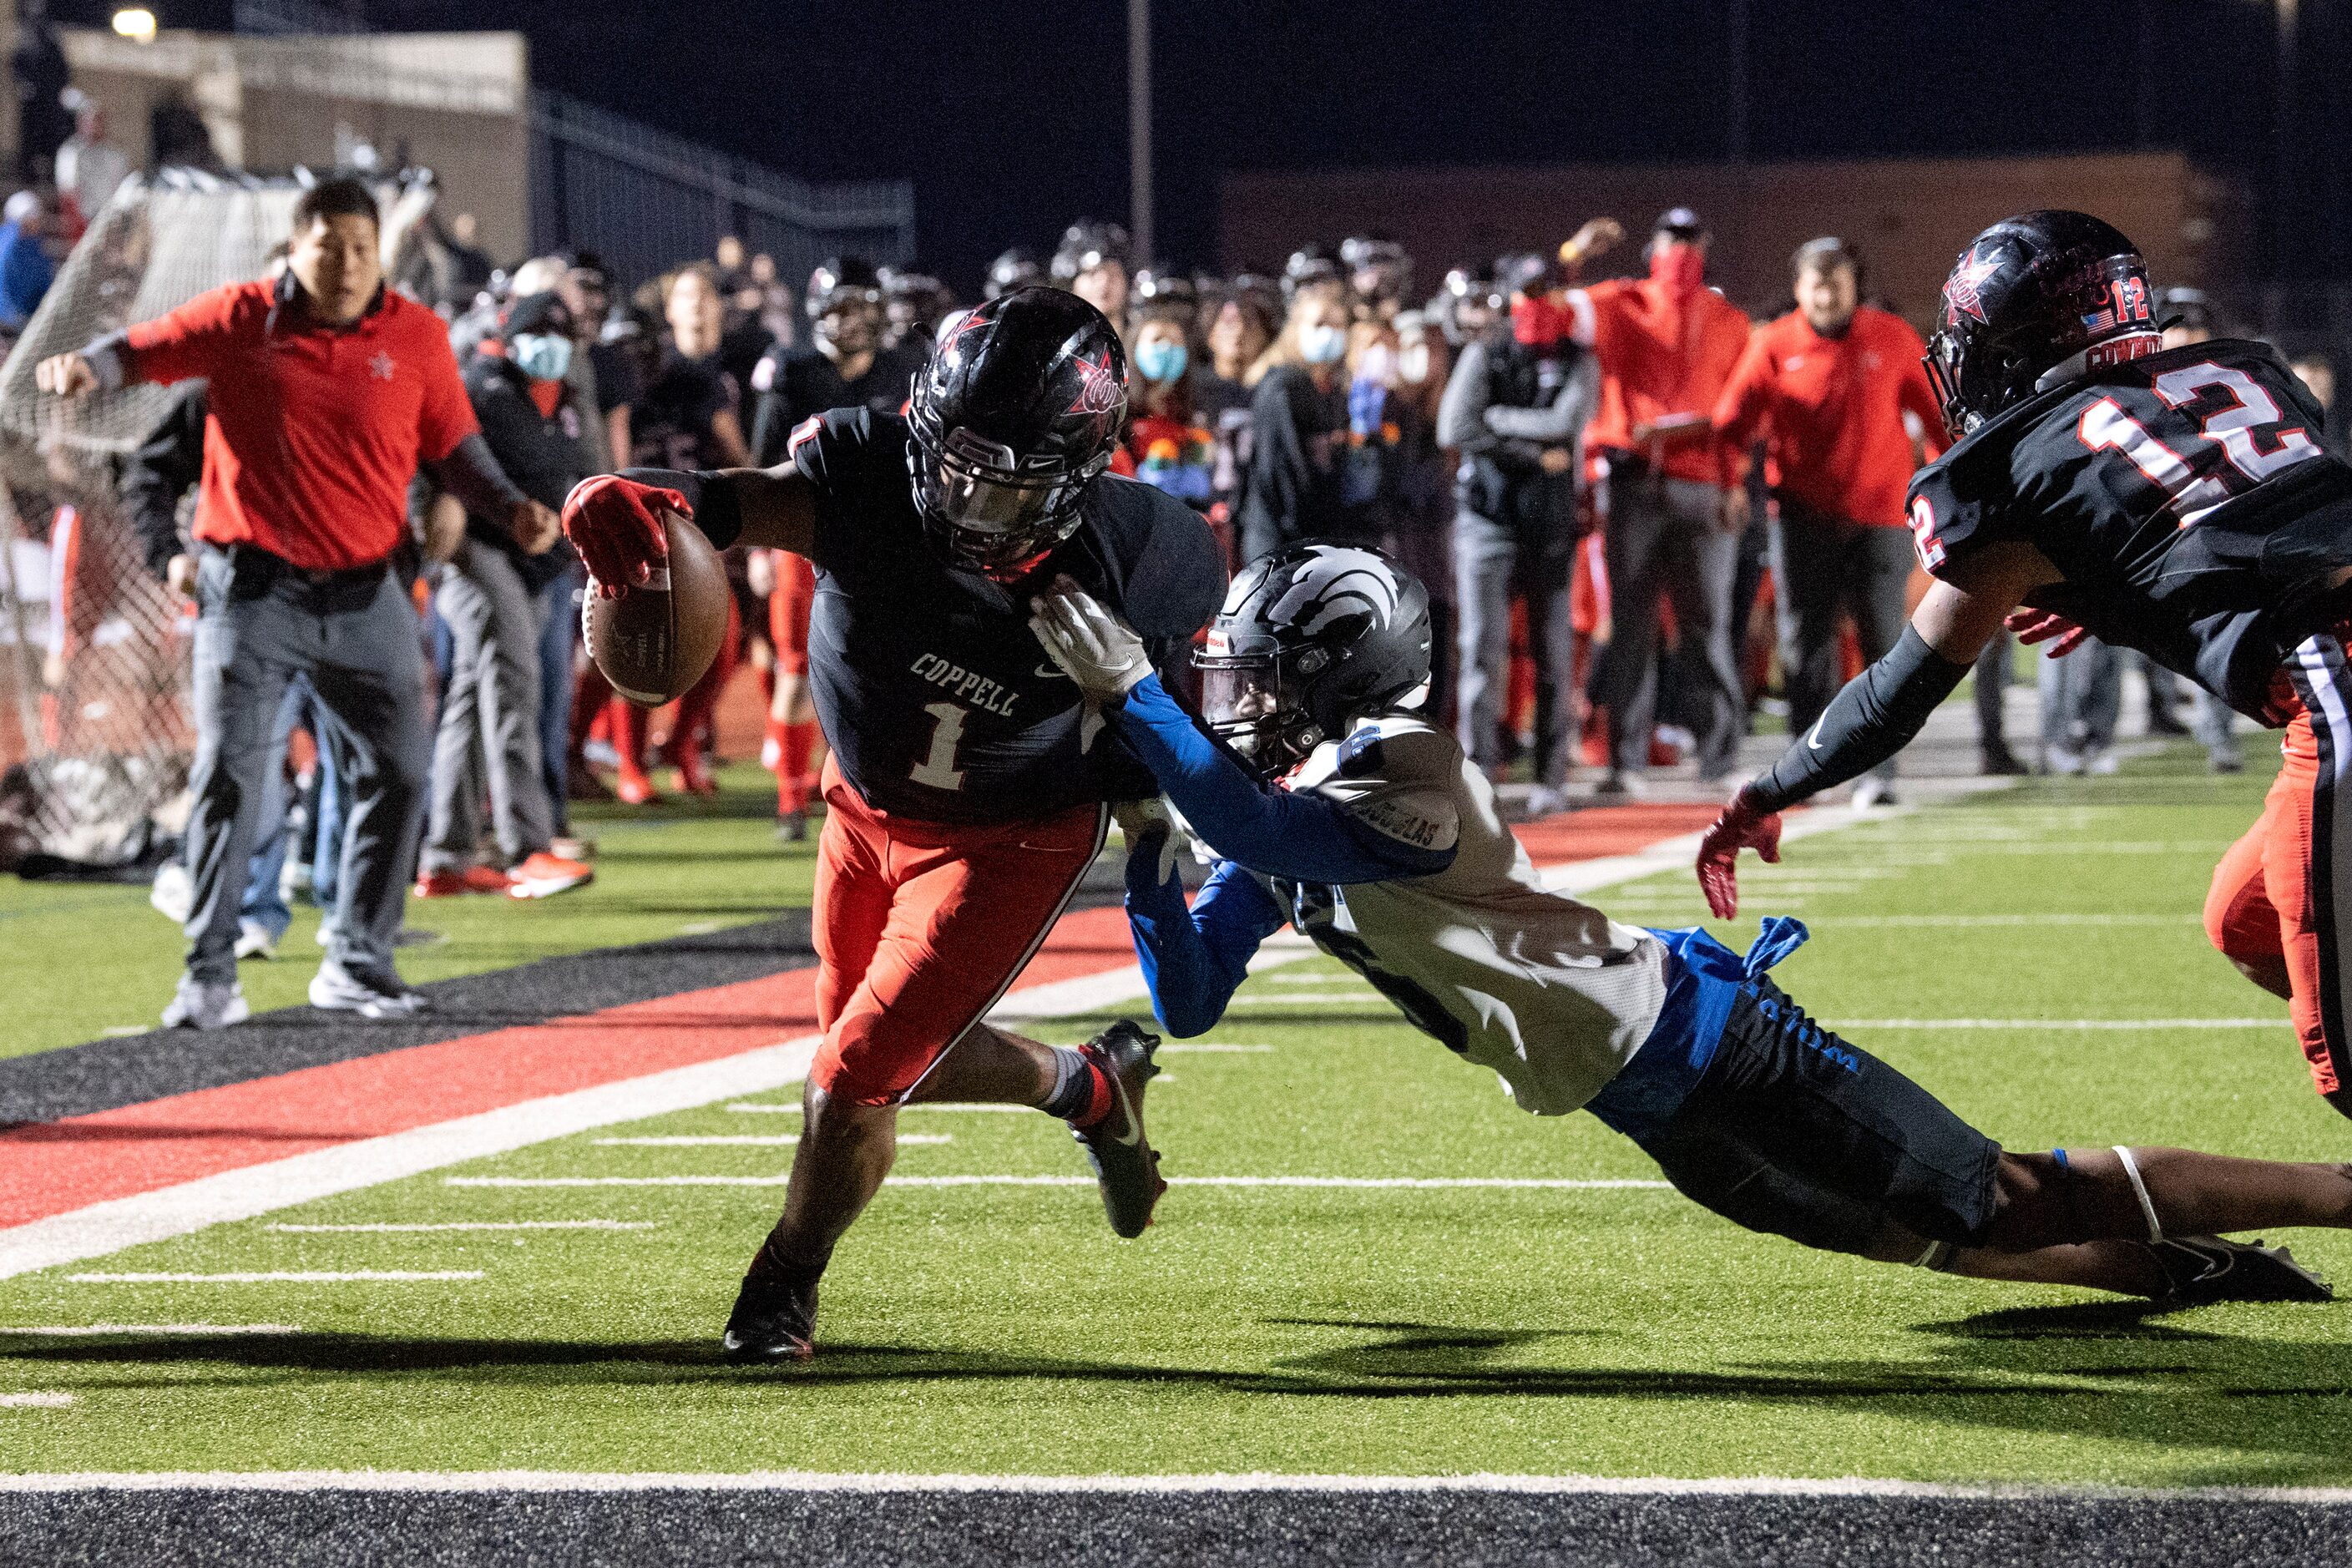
1125	1164
2201	1270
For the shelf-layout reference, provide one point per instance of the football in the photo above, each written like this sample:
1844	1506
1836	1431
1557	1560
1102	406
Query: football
654	643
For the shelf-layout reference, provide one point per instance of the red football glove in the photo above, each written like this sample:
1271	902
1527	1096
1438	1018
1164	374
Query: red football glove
2040	625
1741	827
616	526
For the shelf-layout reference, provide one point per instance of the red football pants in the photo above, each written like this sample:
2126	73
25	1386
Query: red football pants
2282	894
921	926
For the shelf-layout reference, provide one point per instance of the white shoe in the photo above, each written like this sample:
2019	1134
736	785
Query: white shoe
1545	801
335	989
1873	791
2102	764
2062	761
254	941
198	1006
174	894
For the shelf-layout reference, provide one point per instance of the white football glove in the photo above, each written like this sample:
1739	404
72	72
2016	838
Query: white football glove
1148	831
1100	654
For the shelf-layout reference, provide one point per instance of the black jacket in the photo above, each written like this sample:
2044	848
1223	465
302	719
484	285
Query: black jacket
541	453
163	468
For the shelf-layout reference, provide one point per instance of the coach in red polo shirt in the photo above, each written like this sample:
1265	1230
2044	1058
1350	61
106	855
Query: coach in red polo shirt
326	394
1828	386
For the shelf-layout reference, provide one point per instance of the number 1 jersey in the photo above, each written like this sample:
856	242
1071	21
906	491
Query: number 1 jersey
937	699
2184	497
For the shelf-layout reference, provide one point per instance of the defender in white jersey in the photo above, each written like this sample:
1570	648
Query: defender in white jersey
1335	807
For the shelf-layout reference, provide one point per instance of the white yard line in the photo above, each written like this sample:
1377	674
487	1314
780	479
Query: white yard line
884	1482
380	1228
1396	1182
282	1276
96	1330
1183	1047
35	1401
746	1140
252	1191
2187	920
255	1190
2125	1025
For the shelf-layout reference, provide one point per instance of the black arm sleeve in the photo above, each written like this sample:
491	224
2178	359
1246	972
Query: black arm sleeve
161	469
710	495
1874	716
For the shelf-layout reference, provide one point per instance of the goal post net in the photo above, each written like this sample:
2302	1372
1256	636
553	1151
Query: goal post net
96	736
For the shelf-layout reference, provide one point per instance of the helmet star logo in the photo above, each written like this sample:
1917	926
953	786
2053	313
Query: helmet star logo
1961	289
1097	386
966	321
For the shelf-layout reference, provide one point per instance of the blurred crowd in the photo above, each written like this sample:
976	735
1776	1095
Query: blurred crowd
1648	520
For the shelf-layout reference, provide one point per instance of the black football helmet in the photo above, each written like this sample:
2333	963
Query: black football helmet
844	306
2036	300
1016	268
1086	244
1311	265
1017	412
1164	288
1311	639
1378	268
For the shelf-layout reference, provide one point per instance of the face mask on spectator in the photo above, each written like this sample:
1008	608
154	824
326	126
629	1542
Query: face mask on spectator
1412	363
1377	363
540	357
1681	268
1322	343
1161	360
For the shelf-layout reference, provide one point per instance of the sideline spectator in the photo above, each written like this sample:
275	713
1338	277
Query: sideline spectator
1420	520
1515	408
686	418
25	273
493	597
1299	417
1675	501
308	448
1835	388
38	65
1172	450
1092	264
1239	332
89	167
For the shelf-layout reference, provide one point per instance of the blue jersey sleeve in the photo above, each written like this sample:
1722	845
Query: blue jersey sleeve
1193	959
1302	837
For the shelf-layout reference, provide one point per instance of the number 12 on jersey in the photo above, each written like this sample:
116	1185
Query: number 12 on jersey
2105	424
938	770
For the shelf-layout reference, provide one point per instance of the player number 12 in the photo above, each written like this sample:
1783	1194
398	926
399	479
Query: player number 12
939	768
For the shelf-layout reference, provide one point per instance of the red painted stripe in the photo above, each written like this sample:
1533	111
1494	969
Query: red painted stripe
62	1165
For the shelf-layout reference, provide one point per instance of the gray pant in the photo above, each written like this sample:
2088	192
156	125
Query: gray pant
1829	567
489	738
1993	682
259	623
2210	719
2081	695
1664	541
1489	562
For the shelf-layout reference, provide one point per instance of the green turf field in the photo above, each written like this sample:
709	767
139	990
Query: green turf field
683	866
1381	1329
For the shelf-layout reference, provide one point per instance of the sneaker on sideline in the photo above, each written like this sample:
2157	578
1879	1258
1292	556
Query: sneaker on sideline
545	874
454	884
335	989
1873	792
174	894
1545	801
198	1006
255	940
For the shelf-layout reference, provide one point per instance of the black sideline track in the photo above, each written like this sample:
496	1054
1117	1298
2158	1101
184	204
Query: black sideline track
1259	1528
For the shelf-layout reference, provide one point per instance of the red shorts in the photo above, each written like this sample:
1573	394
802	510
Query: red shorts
788	611
2282	896
921	926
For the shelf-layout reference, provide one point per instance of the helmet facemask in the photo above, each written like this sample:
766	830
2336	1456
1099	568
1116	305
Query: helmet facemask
983	511
1249	705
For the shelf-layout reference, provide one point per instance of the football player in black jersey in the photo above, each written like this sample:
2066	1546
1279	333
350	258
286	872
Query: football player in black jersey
2173	500
969	785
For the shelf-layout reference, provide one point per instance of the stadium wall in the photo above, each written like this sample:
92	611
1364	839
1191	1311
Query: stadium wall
458	103
1908	216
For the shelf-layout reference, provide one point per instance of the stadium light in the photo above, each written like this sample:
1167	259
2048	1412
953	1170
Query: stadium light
135	23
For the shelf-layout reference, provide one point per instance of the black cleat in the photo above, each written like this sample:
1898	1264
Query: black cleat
1999	762
1125	1164
2200	1270
774	1319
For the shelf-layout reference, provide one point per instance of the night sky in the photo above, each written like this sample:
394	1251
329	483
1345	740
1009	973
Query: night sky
1011	118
